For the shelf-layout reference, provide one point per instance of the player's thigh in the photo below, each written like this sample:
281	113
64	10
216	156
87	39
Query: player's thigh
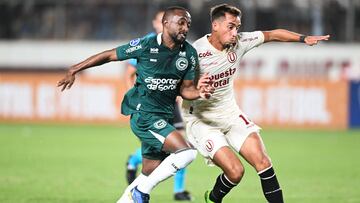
254	152
241	127
205	138
152	130
175	142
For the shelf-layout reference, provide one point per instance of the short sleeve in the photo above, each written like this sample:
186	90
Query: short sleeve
249	40
133	49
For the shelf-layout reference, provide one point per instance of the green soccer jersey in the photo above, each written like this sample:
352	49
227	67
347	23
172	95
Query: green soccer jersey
160	72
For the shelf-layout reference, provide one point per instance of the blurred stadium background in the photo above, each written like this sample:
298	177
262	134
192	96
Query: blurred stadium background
72	146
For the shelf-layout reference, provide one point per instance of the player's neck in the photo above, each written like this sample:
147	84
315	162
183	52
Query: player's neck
215	42
168	42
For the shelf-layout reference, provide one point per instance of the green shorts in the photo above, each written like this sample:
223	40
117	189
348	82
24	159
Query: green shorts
151	129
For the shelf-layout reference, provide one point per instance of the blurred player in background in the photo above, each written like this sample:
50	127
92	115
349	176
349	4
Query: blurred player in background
135	159
217	126
165	69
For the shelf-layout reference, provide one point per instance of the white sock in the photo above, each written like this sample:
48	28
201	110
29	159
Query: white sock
167	168
137	180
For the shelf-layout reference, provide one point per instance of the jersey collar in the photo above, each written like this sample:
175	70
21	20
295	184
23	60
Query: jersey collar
159	40
215	49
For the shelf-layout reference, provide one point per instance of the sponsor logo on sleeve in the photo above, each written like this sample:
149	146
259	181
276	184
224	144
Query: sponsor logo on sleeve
132	49
193	62
249	39
134	42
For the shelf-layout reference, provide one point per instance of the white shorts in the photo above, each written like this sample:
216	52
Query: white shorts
208	136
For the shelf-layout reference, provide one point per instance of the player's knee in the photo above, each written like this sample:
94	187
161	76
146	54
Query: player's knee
263	163
147	170
193	153
235	173
185	157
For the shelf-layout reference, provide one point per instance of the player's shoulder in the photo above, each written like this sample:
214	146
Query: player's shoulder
148	39
244	37
190	53
201	43
189	48
143	41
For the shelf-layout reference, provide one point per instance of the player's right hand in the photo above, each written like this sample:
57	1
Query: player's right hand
67	81
205	86
313	40
206	91
204	80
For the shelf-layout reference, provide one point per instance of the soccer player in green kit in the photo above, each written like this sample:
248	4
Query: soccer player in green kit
166	68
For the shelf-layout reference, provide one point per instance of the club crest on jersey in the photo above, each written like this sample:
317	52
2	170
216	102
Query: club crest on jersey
160	124
182	63
134	42
232	57
209	145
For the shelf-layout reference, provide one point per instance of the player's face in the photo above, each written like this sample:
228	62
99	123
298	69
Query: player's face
178	26
226	29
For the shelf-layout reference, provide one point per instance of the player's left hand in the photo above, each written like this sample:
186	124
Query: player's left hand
67	81
313	40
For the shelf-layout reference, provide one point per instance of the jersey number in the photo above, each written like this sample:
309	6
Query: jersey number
244	119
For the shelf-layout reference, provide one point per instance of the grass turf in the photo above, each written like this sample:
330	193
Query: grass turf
53	164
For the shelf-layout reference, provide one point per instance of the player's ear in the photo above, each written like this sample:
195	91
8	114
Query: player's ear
215	25
164	21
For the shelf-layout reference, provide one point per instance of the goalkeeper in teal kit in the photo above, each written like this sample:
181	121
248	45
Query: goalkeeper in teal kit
166	68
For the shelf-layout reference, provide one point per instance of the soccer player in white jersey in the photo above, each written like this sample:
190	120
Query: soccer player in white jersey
217	126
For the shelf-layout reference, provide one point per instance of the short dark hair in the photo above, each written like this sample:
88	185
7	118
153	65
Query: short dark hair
170	11
219	11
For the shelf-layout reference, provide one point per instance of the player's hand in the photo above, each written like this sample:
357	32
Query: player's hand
205	86
313	40
206	91
204	80
67	81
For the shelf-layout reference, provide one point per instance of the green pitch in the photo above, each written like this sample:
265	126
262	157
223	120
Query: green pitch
80	164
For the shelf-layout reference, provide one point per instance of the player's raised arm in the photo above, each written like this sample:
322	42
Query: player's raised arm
282	35
189	91
96	60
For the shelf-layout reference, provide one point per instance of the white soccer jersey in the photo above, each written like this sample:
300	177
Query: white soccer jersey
221	66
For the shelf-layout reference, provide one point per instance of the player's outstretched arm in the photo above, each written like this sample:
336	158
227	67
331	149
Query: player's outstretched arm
96	60
189	91
282	35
